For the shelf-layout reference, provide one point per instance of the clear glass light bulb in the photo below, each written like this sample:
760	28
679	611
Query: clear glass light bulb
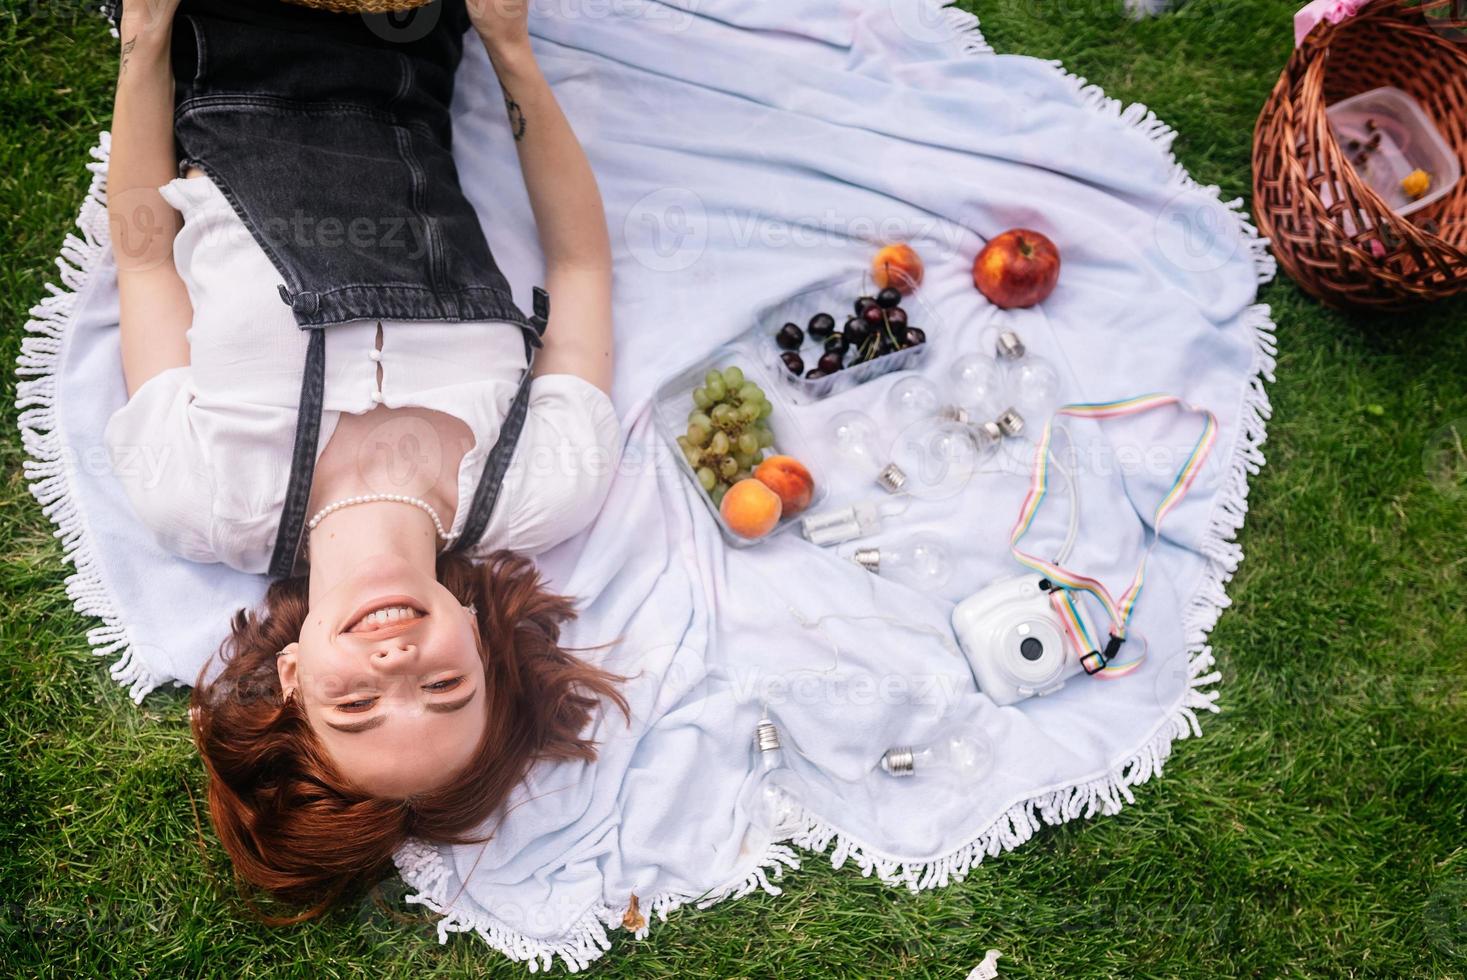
963	752
1000	340
767	796
858	443
1034	389
939	456
978	387
921	562
912	398
1031	385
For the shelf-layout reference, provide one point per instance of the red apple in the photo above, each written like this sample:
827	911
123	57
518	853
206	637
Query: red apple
1017	268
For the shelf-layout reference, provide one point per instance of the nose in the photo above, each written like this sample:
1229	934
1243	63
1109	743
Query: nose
395	656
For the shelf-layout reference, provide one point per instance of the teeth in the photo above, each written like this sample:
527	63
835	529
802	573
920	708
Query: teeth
382	617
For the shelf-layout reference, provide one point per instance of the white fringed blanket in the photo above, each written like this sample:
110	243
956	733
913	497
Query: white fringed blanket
747	148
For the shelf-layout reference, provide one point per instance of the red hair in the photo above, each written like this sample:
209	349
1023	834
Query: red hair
293	827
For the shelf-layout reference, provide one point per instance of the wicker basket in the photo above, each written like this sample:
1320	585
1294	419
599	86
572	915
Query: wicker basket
1356	251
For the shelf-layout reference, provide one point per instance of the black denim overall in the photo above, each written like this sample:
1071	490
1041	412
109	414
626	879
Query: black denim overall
330	136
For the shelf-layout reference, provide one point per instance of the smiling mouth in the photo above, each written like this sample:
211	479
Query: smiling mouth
389	613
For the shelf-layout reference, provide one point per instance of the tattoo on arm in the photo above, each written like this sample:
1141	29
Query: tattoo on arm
126	54
516	116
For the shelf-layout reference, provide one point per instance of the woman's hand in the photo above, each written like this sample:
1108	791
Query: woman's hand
503	25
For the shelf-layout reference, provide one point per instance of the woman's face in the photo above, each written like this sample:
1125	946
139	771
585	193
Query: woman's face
388	672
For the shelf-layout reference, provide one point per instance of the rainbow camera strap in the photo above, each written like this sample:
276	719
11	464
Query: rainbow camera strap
1067	583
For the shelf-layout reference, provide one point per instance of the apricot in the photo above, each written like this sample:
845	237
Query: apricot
897	266
788	478
750	509
1416	183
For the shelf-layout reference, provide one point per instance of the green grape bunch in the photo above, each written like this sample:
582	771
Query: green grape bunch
728	430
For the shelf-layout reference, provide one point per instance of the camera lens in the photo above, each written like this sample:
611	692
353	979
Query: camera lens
1031	649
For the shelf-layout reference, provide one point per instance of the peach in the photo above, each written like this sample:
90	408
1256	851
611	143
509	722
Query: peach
750	509
898	266
788	478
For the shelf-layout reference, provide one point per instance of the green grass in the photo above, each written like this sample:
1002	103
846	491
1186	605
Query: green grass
1317	830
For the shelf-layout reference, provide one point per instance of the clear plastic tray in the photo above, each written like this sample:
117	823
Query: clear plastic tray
1408	141
837	297
673	402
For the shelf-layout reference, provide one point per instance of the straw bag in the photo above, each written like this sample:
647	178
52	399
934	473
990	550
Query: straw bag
361	6
1329	230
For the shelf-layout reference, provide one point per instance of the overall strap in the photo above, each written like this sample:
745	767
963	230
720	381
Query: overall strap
497	464
308	433
303	460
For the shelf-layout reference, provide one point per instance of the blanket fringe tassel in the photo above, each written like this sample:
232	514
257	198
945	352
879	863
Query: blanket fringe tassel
49	462
965	29
421	866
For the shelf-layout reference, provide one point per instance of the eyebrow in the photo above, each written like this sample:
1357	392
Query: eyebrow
437	707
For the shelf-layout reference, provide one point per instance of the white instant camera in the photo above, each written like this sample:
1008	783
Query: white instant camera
1014	641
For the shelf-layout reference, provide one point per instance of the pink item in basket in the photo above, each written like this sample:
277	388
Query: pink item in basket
1333	11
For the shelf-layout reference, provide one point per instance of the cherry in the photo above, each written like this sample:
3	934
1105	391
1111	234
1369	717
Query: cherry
829	363
856	331
837	343
863	304
822	325
896	316
793	363
874	315
889	297
790	337
913	336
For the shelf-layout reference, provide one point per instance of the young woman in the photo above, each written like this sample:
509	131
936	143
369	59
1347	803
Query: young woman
324	358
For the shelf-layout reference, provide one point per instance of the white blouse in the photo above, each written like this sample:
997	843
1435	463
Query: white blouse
204	451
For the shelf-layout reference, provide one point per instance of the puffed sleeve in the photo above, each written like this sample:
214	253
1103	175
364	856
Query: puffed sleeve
161	463
563	465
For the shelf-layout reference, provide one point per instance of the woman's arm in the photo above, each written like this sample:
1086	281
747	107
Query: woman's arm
563	194
155	310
